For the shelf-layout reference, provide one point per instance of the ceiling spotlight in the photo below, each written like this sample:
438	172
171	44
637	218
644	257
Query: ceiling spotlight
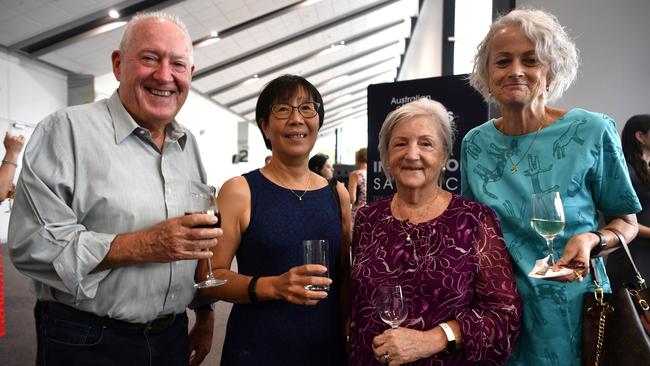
113	14
214	34
207	42
252	79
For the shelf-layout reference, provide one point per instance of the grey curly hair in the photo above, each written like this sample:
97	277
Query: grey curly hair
553	48
435	111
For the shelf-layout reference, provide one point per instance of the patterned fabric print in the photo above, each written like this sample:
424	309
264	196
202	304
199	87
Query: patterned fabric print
361	191
580	156
455	268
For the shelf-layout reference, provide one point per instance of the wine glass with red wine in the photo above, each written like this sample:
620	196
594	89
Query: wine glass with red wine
204	203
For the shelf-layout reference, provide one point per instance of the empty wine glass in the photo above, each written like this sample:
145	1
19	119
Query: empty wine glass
392	309
206	204
547	219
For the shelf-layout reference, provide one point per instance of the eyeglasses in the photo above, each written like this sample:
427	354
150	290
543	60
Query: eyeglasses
283	110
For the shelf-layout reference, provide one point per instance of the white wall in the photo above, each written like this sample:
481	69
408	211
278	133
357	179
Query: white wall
613	39
423	57
29	91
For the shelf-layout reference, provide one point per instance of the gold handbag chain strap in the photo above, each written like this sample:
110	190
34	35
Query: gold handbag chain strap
605	310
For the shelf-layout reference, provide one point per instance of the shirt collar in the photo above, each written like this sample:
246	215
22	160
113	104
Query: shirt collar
125	125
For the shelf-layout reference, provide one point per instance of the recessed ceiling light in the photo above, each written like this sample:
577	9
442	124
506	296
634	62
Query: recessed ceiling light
113	14
207	42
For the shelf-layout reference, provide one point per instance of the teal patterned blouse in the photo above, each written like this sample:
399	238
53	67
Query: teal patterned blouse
580	156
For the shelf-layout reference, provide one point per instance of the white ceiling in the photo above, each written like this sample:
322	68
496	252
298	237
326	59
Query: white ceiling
297	37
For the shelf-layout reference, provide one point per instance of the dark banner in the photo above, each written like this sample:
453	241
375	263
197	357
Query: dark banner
453	92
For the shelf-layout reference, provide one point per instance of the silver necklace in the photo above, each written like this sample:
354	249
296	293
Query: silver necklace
299	196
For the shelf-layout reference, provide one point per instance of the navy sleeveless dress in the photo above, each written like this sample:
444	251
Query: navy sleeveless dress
278	332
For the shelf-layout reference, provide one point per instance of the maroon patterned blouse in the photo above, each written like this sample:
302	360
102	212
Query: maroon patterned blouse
457	267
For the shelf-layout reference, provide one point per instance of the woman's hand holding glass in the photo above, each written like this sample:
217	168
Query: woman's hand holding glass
397	346
291	285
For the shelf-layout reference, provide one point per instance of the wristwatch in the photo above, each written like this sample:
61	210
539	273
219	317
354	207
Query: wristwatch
601	245
451	339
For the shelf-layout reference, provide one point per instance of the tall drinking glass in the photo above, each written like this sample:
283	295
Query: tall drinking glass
392	309
202	203
317	252
548	218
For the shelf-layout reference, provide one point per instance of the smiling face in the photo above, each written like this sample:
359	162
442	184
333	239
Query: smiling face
415	153
516	76
296	135
154	72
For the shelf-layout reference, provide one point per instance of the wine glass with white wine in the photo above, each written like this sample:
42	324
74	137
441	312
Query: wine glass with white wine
392	309
547	218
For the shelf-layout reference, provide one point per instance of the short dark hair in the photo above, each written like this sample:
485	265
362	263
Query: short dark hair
317	162
282	88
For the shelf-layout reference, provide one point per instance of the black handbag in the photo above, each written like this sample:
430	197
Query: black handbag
616	327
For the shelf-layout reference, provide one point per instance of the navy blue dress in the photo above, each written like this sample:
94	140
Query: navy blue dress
278	332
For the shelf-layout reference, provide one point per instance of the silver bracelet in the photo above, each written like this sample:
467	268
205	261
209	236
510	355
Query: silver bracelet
9	162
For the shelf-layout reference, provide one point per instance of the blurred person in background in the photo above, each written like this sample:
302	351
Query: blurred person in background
13	146
321	165
635	139
357	182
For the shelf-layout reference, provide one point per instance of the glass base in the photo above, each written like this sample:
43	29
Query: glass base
211	282
317	288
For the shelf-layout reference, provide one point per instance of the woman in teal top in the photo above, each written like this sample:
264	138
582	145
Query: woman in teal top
526	60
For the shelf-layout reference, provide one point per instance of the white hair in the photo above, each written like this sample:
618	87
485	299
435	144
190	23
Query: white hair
140	17
553	48
442	120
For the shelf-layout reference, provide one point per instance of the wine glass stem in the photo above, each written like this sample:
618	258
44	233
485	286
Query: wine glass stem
551	257
209	276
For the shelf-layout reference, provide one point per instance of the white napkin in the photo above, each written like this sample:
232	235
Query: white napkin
542	263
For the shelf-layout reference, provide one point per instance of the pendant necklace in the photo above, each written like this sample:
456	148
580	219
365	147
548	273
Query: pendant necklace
513	167
299	196
409	240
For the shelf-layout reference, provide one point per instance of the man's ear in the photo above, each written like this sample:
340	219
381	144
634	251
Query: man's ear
116	60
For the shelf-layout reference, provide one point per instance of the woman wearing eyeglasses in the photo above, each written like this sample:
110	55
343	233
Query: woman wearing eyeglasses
266	214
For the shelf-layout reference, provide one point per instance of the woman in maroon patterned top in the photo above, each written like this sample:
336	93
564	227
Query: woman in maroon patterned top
445	251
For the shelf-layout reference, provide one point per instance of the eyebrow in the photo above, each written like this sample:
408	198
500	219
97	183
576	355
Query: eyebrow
173	56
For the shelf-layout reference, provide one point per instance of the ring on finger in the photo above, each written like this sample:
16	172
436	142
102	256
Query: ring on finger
385	359
578	275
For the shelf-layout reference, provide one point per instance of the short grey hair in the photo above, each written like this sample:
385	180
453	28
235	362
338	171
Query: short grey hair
434	111
140	17
553	48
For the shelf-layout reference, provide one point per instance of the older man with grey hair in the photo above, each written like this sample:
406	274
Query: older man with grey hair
98	220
